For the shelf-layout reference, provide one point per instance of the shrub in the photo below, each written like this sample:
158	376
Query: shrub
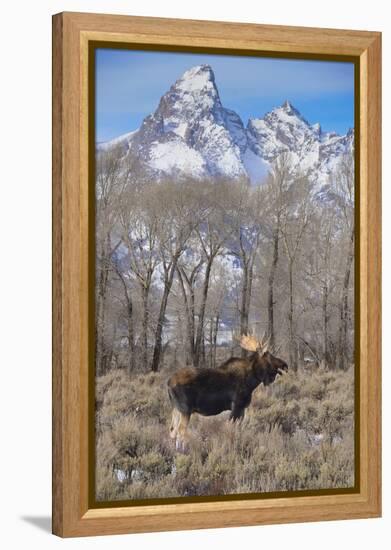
297	434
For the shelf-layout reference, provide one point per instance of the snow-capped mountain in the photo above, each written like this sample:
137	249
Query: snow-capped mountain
285	130
192	134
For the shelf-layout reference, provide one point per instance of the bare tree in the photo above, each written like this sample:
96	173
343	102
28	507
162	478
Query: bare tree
320	275
219	292
213	232
293	227
178	219
280	178
139	226
179	265
189	270
129	315
247	223
345	187
111	178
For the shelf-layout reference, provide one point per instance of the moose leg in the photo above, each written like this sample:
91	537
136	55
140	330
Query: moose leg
174	423
237	413
182	431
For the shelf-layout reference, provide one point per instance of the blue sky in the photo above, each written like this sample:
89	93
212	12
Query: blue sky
129	85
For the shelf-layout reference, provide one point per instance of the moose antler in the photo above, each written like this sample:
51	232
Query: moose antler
264	343
249	343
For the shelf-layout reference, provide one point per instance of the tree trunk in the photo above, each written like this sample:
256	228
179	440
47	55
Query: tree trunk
189	309
243	309
344	308
110	353
203	350
270	304
292	351
200	327
130	337
144	326
325	325
192	324
210	342
249	288
214	346
130	320
162	313
100	314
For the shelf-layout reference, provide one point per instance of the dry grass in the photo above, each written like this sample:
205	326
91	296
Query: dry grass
297	434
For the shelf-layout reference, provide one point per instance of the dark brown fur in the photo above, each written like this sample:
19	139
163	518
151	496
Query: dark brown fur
228	387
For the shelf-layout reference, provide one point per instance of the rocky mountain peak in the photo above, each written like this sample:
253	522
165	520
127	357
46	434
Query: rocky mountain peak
288	113
196	79
192	134
288	107
193	97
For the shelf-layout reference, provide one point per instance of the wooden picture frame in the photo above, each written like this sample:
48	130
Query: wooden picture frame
72	252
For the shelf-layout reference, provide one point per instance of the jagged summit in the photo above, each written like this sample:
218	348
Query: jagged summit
196	85
197	78
287	112
192	134
290	109
195	91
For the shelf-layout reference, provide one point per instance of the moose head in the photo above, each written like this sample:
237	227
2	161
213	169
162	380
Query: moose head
265	366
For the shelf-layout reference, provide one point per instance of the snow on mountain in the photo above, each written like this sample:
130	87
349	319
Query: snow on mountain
177	157
284	129
124	139
192	134
256	167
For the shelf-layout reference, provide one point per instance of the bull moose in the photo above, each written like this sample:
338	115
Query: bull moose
230	386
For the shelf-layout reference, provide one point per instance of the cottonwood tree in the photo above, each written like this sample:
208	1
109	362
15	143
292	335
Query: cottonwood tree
293	226
178	219
345	190
247	223
219	292
128	306
213	232
277	194
189	271
112	176
319	262
180	261
139	226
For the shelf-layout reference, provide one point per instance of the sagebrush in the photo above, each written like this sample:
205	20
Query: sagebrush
297	434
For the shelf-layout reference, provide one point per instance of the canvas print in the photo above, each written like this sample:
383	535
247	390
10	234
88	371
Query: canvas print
224	334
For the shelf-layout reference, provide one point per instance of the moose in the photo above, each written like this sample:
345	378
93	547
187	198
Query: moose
230	386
